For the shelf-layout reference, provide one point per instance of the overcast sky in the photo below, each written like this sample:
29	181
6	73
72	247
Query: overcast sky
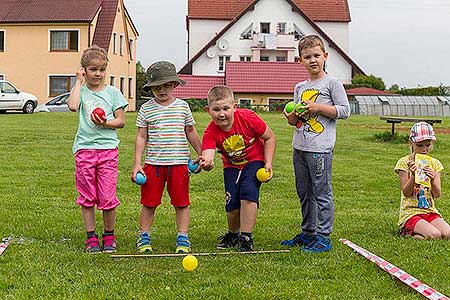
402	41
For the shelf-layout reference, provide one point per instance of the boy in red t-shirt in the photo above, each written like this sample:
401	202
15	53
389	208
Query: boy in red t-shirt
246	144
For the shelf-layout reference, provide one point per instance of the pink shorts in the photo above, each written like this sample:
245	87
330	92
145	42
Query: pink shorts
408	228
177	179
96	178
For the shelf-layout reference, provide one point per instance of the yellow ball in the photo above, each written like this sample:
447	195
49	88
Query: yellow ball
262	175
190	263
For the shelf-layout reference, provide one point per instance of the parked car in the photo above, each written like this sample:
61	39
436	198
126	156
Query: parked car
57	104
13	99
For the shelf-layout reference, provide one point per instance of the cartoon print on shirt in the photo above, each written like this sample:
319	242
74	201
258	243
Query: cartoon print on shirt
234	146
312	125
422	194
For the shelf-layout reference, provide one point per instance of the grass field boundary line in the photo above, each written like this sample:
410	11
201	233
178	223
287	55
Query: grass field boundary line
198	254
404	277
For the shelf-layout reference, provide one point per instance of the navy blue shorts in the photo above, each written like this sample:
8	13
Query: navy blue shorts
241	185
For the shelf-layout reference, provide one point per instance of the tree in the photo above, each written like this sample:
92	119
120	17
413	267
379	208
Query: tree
368	81
141	80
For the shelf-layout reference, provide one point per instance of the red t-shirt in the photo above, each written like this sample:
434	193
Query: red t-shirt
242	143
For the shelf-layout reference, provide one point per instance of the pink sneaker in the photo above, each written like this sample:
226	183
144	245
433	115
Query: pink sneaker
92	246
109	243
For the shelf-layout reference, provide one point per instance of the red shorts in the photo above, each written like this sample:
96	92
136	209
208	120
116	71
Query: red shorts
177	179
408	228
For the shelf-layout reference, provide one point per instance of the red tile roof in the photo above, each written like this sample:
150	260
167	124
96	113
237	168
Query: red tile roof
264	77
25	11
318	11
365	91
197	86
105	24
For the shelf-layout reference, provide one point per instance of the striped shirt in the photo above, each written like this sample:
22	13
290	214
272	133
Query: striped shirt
167	143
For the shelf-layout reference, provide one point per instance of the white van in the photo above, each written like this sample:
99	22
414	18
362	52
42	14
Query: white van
13	99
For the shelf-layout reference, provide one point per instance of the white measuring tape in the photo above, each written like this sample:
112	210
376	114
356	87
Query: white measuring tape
4	244
404	277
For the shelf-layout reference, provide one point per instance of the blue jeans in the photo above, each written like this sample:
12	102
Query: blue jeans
313	184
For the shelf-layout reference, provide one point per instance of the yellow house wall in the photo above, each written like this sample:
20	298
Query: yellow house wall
27	61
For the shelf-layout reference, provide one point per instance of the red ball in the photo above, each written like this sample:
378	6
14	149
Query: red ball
100	113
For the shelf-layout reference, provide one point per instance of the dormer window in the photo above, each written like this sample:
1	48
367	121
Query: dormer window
265	27
247	33
298	34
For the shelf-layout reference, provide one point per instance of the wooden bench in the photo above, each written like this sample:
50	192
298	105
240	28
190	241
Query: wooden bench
397	120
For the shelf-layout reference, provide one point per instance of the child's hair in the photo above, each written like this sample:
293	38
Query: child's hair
310	41
91	53
220	92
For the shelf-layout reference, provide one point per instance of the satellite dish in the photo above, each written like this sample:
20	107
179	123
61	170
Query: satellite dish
222	44
211	52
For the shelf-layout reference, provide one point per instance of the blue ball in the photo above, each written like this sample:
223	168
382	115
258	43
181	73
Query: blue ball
193	167
140	178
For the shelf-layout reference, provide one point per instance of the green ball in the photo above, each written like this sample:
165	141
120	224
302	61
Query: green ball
289	107
300	108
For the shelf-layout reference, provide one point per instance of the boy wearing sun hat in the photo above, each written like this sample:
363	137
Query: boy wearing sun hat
165	130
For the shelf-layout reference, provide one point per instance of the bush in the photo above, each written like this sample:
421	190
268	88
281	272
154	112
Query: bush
388	137
197	104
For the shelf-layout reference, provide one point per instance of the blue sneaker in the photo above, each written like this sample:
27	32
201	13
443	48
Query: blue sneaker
144	244
321	244
183	244
300	239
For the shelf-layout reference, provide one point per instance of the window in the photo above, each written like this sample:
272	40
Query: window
245	58
2	40
121	45
61	84
63	40
2	77
114	43
264	58
281	28
247	33
265	27
130	84
130	42
281	58
122	85
222	60
111	80
245	103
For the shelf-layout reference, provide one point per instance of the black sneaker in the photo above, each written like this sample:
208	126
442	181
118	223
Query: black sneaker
245	243
228	240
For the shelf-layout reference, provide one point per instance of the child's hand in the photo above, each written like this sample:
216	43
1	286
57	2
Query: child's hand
311	107
430	172
136	169
98	120
206	165
268	168
412	166
80	74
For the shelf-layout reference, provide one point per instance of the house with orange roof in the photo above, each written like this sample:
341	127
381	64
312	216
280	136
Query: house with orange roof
41	42
263	35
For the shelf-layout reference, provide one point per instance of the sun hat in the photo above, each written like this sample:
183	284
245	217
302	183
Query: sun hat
421	131
161	72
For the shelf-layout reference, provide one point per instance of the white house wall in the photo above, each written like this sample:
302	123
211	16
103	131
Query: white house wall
272	11
201	32
338	31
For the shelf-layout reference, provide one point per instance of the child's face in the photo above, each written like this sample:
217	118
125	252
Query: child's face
95	73
313	59
163	92
422	147
222	113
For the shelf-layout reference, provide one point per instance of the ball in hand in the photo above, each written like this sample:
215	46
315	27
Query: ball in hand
262	175
100	113
289	107
140	178
193	167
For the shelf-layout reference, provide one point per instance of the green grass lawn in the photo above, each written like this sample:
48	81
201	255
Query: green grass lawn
46	259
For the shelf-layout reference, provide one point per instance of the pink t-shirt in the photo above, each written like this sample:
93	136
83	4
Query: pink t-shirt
242	143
